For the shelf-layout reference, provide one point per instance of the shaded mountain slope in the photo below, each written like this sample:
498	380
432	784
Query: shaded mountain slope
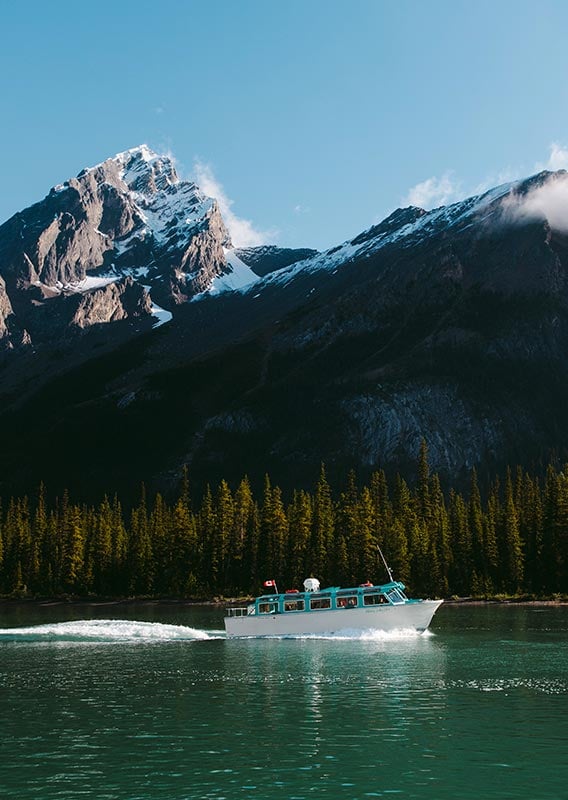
451	325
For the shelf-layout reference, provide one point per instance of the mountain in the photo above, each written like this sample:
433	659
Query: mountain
128	218
450	325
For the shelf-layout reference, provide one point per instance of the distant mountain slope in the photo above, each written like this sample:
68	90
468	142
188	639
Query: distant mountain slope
268	258
450	325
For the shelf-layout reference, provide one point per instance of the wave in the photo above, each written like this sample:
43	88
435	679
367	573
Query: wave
356	634
105	630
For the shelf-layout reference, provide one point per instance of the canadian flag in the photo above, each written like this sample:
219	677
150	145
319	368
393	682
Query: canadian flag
268	584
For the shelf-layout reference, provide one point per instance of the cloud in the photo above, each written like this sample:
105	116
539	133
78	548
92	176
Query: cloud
558	158
434	192
507	175
548	201
242	231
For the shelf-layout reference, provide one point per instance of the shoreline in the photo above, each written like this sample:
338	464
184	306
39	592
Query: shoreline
227	601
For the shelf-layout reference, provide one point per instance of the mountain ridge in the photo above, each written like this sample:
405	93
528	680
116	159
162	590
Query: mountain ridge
450	324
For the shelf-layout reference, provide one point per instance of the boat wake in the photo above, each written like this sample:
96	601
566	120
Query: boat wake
353	634
105	630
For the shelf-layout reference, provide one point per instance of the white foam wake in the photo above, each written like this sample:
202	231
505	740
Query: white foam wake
104	630
356	634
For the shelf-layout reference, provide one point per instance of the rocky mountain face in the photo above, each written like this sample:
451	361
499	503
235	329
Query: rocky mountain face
450	325
127	220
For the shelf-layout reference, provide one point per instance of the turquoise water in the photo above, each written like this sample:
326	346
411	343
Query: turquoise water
155	704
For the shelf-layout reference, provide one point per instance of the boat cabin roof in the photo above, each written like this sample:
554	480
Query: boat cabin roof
338	591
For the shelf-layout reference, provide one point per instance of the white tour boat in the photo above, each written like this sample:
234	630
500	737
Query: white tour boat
332	610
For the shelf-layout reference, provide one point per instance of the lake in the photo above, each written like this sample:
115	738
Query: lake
155	704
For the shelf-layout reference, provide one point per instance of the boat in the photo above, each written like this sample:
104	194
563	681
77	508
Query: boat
330	611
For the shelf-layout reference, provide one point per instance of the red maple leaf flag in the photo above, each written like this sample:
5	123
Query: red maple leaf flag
268	584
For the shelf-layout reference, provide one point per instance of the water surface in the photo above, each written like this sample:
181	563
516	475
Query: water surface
153	703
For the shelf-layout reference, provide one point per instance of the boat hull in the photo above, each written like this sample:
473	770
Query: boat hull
414	615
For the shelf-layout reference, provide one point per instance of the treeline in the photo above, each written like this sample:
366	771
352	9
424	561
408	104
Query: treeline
438	544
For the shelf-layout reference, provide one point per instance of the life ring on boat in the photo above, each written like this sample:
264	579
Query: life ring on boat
366	585
291	591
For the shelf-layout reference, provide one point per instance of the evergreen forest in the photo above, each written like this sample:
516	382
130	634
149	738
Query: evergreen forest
513	542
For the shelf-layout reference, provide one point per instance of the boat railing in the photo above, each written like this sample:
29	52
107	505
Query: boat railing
240	611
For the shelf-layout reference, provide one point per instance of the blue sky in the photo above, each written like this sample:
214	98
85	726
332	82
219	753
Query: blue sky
315	118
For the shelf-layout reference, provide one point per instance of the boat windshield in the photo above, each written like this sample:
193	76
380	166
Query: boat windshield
396	596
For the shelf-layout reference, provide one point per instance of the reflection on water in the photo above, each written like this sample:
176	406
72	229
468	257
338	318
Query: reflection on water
161	706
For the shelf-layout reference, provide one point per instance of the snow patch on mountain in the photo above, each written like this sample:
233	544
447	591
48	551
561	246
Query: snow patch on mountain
161	314
240	277
87	284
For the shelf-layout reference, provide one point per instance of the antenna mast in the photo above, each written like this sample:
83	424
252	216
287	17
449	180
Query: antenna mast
388	569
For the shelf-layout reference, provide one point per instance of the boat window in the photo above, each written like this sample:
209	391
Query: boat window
346	601
267	608
374	599
394	596
317	603
293	605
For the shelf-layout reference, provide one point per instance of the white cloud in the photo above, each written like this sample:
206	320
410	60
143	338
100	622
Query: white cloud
434	192
242	231
507	175
549	201
558	158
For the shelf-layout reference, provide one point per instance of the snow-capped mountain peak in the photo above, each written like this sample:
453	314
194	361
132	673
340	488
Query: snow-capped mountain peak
145	171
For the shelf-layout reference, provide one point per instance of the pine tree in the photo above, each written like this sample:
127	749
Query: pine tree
300	515
184	542
440	550
165	557
383	507
491	550
273	533
140	549
479	578
462	562
209	567
512	545
322	530
365	541
119	577
101	549
73	551
1	546
423	490
223	534
347	531
396	550
559	565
